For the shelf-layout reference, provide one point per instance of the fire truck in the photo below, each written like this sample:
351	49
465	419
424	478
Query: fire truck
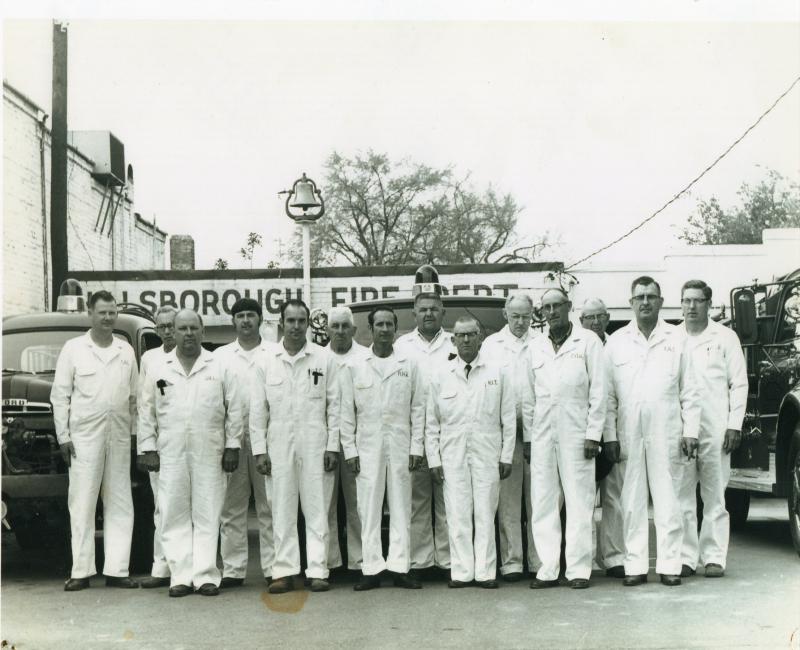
34	476
766	316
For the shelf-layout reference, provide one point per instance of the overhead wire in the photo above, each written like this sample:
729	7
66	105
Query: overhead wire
692	182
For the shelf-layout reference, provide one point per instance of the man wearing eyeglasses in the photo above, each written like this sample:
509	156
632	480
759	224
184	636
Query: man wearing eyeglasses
165	327
610	543
511	344
654	412
719	364
569	396
471	423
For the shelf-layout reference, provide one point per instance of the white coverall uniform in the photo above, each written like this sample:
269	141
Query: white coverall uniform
190	420
514	353
470	428
94	407
569	408
294	416
652	401
610	540
429	541
233	547
160	567
345	477
718	362
389	413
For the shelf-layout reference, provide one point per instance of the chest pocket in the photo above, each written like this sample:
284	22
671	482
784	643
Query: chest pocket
362	392
316	383
87	381
275	388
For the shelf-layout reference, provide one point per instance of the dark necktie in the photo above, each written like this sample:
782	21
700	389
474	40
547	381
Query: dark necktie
467	368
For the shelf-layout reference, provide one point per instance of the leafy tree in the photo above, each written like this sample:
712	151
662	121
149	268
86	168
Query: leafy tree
773	203
380	212
247	251
220	264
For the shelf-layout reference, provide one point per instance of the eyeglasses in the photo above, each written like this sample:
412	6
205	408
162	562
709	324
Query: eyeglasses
690	302
466	335
594	317
553	307
165	326
650	297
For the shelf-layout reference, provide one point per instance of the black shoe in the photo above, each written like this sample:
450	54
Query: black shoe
457	584
714	570
208	589
123	583
281	585
406	581
151	582
686	571
179	591
543	584
415	574
268	580
515	576
227	582
616	572
76	584
487	584
319	584
578	583
670	581
366	583
634	580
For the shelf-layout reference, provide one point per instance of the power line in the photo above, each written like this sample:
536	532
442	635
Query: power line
689	186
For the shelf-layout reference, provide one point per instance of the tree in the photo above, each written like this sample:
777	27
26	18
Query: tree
220	264
773	203
253	241
379	212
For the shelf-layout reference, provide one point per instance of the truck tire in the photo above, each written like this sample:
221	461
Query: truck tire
794	493
737	503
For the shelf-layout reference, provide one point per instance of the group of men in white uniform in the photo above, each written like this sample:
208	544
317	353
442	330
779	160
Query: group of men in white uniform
451	430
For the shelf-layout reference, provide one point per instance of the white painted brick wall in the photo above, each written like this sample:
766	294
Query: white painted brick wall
24	255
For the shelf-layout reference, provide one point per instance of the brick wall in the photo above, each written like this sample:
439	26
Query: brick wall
26	258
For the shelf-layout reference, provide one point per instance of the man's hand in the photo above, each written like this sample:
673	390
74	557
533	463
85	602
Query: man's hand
263	464
150	461
611	451
733	438
67	453
591	449
689	446
140	464
414	462
505	471
331	460
230	459
526	451
354	464
438	475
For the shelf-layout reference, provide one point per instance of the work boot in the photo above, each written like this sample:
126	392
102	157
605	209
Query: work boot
76	584
406	581
714	570
366	583
616	572
543	584
123	582
634	580
281	585
686	571
208	589
670	580
318	584
514	576
152	582
179	591
227	582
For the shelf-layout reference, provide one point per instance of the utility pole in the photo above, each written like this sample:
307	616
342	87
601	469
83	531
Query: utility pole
58	161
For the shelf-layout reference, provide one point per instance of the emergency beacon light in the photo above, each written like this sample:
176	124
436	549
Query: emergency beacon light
426	280
70	296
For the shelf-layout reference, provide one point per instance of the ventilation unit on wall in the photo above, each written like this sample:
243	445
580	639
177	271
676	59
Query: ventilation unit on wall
107	152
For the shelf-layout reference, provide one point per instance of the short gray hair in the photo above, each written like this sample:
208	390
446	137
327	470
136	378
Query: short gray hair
341	311
165	309
593	303
519	296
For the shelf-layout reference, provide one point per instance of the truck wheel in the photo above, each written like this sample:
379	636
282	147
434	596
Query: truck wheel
794	497
737	503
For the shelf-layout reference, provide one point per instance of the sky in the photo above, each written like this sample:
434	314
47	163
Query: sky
590	121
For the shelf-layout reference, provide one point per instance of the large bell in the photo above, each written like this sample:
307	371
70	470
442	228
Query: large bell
304	196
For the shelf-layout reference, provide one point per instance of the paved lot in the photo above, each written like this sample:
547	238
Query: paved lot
757	605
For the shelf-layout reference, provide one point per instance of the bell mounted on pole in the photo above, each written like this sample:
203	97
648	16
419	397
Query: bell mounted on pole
426	281
304	201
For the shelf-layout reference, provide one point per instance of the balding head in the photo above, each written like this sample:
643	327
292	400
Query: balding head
340	329
188	333
594	316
